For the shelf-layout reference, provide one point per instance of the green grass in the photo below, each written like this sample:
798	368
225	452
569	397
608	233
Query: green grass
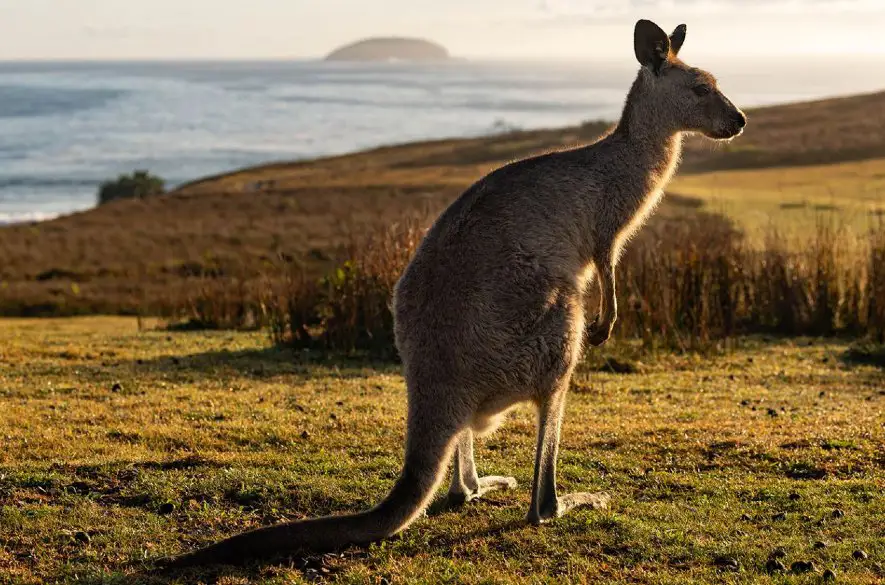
103	426
793	199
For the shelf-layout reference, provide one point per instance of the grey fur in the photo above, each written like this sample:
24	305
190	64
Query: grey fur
490	312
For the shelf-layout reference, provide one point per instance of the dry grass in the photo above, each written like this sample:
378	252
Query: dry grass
136	256
689	281
105	426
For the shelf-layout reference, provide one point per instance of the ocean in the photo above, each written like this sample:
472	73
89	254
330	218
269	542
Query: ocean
66	127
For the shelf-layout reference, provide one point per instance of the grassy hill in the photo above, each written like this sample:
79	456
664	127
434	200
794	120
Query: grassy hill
127	254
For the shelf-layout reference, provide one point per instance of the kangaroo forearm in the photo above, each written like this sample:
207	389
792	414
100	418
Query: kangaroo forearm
608	301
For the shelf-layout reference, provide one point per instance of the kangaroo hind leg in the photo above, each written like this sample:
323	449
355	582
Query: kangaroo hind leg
546	505
467	485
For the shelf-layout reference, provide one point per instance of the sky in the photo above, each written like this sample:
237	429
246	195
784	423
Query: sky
581	30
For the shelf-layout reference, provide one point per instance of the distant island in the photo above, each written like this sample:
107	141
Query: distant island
389	49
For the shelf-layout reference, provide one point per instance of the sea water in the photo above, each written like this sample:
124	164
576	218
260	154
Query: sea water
66	127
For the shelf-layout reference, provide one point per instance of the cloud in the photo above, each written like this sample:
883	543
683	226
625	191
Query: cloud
614	8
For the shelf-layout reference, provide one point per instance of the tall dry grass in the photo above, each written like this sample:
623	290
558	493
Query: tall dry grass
874	287
349	308
684	283
694	283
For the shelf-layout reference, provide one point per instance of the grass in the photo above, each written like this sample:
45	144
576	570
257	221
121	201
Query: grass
793	198
137	256
121	445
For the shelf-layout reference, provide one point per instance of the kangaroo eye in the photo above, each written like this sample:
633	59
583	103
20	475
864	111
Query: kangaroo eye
701	90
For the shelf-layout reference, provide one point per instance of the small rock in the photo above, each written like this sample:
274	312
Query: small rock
779	516
822	395
305	435
837	513
802	567
166	508
117	387
333	416
745	403
794	496
775	566
773	413
819	545
746	518
778	553
83	537
860	555
829	575
727	563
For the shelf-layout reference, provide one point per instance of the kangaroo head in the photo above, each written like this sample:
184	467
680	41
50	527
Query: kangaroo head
684	97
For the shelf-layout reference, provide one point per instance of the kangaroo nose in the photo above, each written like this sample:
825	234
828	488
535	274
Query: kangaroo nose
740	119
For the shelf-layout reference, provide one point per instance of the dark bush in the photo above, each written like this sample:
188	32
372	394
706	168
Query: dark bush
138	185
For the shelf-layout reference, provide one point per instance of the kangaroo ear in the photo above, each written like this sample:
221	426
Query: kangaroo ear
677	38
651	44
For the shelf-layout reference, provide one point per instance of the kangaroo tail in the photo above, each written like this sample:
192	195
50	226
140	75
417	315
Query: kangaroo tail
426	459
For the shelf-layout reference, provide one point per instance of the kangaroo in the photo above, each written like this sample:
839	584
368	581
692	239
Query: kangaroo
489	314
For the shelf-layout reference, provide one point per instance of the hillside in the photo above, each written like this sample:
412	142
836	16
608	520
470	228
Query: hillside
121	255
392	48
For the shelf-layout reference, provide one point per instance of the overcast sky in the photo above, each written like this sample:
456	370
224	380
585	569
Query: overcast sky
500	29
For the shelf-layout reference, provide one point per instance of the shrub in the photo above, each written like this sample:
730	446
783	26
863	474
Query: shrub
138	185
349	309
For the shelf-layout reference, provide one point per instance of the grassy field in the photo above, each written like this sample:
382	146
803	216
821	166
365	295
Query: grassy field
122	445
793	199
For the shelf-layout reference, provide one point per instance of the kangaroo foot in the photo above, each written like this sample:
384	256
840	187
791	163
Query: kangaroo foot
486	484
564	504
